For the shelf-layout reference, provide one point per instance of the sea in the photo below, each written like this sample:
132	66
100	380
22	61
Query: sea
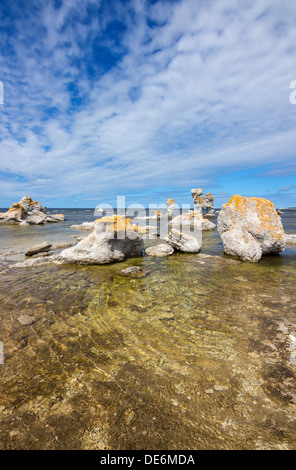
198	355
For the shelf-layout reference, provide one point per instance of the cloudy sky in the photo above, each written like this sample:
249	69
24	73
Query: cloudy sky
147	99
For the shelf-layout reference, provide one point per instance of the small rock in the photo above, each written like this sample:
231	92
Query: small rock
134	271
26	320
56	246
220	388
160	251
45	246
42	254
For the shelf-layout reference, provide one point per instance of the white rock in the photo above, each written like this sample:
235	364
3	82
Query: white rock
183	241
250	227
290	238
160	251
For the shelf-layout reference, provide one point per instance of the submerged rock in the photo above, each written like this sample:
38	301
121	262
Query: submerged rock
134	271
113	239
250	227
28	212
160	251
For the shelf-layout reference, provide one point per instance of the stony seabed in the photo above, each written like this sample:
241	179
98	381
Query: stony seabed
198	354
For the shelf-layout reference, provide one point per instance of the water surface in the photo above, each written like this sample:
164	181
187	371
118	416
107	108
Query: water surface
197	355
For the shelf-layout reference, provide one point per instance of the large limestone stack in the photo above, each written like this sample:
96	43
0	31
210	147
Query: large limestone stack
114	238
250	227
28	212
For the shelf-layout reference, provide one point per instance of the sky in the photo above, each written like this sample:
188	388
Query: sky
147	99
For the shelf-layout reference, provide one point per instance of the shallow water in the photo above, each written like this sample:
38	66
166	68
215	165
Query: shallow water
197	355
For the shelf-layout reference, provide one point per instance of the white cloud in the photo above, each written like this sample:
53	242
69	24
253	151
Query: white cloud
203	89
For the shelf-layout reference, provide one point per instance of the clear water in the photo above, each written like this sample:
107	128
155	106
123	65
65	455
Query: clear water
197	355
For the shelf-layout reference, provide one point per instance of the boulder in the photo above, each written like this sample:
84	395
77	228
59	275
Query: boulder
160	251
183	241
113	239
250	227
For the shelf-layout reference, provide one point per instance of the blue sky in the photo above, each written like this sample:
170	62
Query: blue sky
147	99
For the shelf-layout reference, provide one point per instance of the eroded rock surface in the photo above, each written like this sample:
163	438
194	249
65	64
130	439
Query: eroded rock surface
250	227
28	212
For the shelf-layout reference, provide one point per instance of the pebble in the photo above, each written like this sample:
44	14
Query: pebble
220	388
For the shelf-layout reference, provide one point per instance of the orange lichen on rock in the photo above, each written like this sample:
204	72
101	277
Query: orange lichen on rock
118	223
15	206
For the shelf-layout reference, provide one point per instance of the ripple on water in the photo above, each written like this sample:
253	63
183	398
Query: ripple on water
196	355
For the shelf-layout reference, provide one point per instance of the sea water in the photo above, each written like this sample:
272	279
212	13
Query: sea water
197	355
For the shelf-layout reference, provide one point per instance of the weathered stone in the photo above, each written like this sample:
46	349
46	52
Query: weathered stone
290	238
250	227
59	245
84	226
113	239
170	206
160	251
28	212
42	254
196	192
45	246
193	220
134	271
183	241
26	320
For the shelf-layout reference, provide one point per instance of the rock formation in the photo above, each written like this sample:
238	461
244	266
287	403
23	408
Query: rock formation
250	227
170	207
200	201
28	212
114	238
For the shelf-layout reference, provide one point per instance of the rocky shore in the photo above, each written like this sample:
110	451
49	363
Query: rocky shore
249	228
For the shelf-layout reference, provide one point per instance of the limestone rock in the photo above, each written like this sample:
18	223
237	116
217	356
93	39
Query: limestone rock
113	239
84	226
28	212
196	192
182	241
193	220
250	227
160	251
45	246
290	238
59	245
170	206
134	271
